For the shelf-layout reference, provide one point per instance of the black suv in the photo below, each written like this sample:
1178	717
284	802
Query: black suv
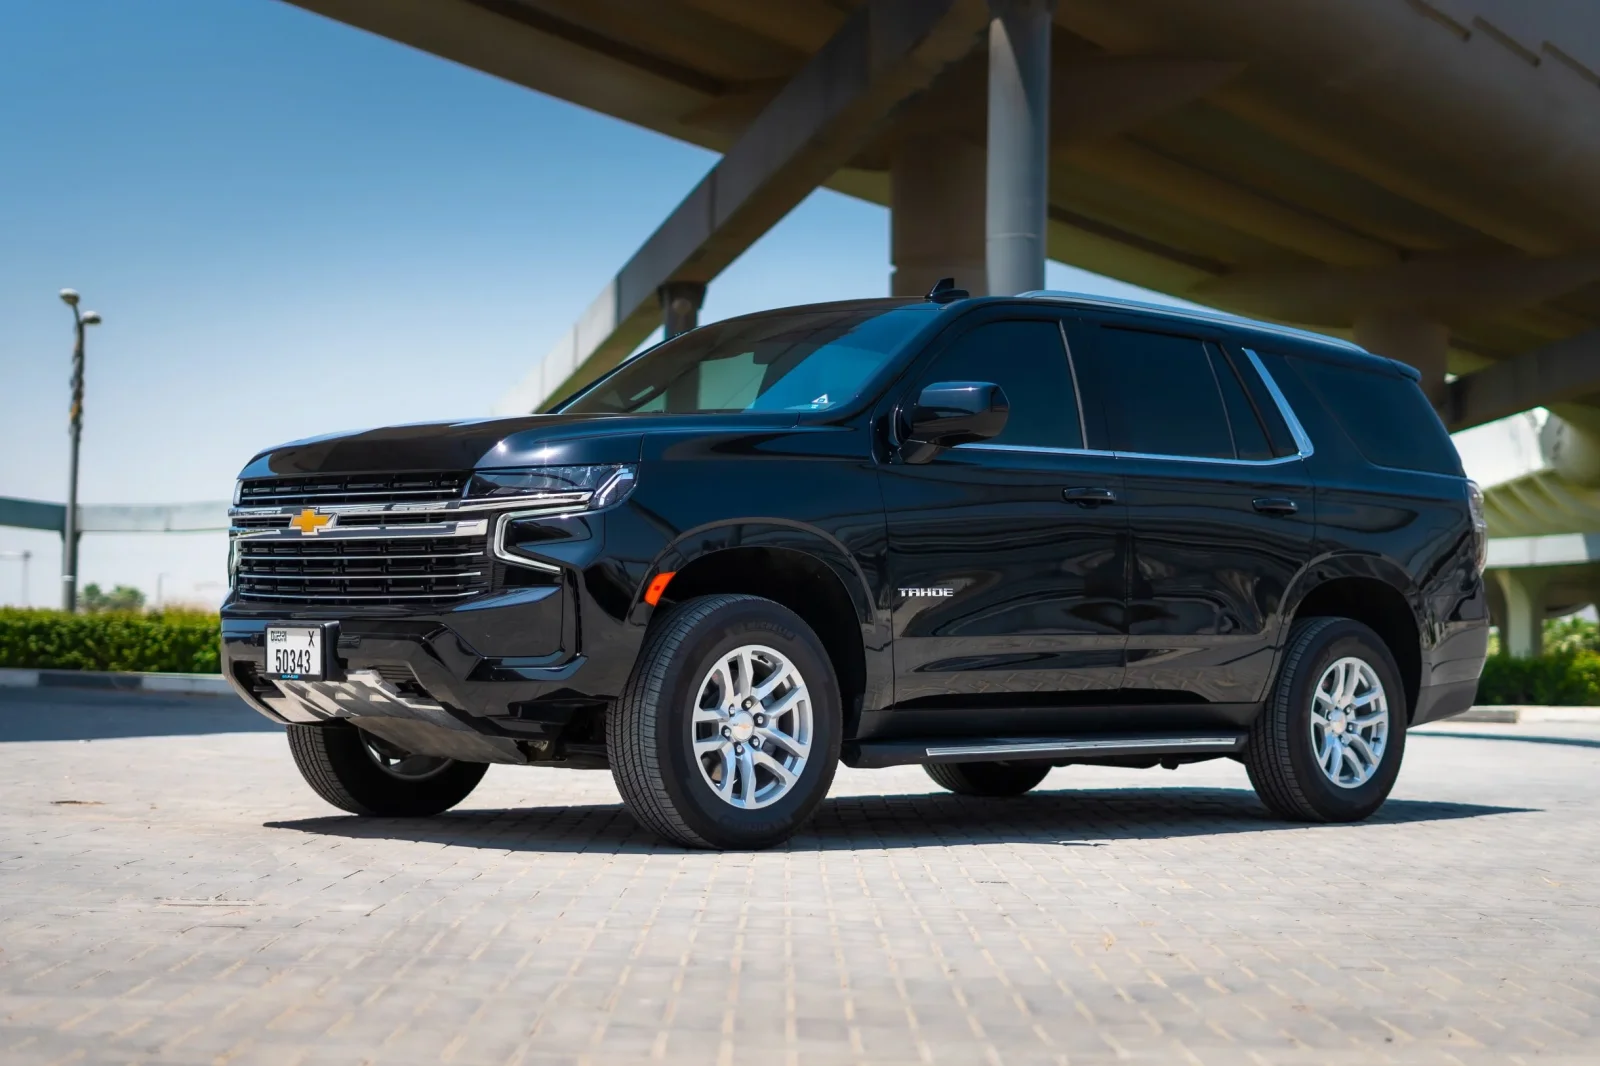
990	536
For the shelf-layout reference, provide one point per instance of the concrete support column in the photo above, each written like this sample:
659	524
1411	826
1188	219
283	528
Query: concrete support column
680	306
1522	629
1019	143
936	215
1411	338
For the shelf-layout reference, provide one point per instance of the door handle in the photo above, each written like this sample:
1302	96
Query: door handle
1275	505
1088	497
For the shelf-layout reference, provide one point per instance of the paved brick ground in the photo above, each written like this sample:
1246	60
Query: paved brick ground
184	899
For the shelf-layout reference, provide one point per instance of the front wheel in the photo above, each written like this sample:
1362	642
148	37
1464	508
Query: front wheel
728	733
364	774
1327	746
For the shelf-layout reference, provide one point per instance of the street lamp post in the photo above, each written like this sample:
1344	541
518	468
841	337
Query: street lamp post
70	531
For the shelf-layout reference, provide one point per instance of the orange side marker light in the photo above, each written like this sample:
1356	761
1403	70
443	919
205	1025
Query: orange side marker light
658	587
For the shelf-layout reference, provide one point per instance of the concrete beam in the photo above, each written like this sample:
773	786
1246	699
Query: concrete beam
33	514
1446	288
1314	137
886	52
1562	372
538	50
1225	201
1555	549
116	518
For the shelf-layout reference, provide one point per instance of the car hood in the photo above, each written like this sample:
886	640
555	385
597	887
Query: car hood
529	440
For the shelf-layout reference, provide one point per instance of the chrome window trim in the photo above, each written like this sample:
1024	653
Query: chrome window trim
1302	440
1126	455
1304	448
1077	389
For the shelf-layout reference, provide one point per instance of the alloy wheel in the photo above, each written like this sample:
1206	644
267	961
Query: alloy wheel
751	730
1349	722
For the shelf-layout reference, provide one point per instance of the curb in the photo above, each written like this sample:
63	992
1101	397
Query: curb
182	684
1512	714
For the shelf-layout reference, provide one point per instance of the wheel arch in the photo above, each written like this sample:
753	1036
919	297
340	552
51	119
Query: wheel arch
1378	594
804	570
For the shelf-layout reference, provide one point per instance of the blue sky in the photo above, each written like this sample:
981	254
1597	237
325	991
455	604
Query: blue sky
293	227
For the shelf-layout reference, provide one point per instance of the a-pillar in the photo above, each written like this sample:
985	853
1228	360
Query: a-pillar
680	306
1411	338
936	211
1522	628
1019	144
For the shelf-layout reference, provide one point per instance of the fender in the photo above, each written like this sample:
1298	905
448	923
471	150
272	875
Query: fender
1331	566
1337	565
790	536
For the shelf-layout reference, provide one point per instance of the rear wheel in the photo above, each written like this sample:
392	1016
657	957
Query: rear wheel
728	733
988	778
1328	745
364	774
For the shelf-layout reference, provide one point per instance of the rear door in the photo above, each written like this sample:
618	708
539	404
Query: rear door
1007	558
1220	505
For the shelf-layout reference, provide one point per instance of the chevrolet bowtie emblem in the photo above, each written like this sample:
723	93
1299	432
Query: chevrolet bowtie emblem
309	521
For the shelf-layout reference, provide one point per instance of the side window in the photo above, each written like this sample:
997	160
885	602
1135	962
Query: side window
1249	439
1028	360
1160	395
1385	415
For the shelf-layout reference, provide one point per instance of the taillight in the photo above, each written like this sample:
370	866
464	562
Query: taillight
1480	524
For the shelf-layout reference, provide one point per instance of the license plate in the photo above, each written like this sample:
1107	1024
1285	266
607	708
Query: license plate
294	652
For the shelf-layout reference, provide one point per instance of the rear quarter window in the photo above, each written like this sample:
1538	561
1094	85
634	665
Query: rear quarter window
1385	415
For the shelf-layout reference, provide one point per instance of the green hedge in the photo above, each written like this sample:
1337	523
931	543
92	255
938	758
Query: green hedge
1567	677
170	641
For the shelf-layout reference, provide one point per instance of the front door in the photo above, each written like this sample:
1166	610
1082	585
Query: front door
1007	559
1219	504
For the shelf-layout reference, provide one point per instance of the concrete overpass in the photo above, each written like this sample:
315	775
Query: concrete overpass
1422	176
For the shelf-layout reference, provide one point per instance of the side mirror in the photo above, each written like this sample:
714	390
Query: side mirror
953	412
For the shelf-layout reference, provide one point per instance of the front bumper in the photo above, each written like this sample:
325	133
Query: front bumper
427	669
424	683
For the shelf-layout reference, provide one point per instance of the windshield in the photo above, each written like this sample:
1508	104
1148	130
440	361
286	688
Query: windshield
806	361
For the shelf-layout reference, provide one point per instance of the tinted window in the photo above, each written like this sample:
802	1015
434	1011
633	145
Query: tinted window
1160	395
1249	439
1385	415
1027	359
801	361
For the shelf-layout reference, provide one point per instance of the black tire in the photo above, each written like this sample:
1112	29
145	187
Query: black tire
334	760
988	778
1280	752
649	730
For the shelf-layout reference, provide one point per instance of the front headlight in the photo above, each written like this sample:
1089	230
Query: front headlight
580	487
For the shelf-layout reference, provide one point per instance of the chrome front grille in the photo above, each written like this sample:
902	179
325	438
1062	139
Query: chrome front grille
363	572
323	490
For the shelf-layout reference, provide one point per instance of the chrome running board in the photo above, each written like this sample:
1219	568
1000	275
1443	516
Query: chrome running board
878	753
